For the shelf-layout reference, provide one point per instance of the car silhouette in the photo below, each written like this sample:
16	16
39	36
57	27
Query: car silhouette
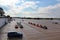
20	25
15	35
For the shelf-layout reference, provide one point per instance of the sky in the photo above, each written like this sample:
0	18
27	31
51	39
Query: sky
31	8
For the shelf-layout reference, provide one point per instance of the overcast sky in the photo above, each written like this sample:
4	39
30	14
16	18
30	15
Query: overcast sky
31	8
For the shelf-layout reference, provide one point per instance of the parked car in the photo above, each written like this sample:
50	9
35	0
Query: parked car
45	27
15	35
19	23
55	22
21	26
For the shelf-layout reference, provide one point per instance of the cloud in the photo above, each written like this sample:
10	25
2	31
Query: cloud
8	2
14	9
28	4
49	11
57	0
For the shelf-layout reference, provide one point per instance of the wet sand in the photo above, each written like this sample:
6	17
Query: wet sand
31	32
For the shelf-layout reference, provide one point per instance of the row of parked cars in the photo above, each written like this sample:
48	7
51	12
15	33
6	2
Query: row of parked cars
15	34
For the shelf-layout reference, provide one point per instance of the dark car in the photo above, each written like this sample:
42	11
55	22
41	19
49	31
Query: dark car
21	26
45	27
15	35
